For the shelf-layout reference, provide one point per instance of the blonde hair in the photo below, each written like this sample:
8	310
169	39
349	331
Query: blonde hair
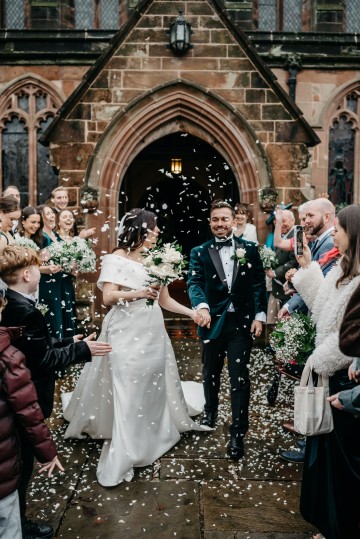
14	258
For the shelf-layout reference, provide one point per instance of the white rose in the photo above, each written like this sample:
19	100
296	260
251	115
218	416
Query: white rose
173	256
240	252
163	271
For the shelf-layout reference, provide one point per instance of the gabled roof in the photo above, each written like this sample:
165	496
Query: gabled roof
239	36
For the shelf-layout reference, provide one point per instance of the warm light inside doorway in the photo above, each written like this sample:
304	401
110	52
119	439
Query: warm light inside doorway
176	165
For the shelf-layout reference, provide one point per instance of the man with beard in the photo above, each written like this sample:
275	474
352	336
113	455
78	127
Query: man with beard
227	287
319	222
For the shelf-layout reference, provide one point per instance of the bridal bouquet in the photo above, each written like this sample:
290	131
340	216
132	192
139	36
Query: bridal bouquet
293	339
26	242
165	264
268	257
72	254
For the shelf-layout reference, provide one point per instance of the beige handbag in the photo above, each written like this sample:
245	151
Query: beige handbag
312	412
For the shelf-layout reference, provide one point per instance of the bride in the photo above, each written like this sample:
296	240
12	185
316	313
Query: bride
132	398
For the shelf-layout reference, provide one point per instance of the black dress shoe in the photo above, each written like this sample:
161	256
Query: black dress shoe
296	456
209	419
301	443
32	530
236	447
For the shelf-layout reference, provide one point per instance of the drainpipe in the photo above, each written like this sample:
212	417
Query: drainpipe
293	65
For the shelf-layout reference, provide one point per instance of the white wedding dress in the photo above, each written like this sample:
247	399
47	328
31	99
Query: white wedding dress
133	397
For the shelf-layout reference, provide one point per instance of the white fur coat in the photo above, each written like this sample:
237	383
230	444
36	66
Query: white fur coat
327	304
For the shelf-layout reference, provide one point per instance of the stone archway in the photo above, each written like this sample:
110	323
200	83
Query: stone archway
178	106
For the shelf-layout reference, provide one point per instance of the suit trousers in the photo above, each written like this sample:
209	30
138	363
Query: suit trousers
235	342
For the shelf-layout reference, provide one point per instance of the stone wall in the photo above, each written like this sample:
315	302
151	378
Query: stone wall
218	62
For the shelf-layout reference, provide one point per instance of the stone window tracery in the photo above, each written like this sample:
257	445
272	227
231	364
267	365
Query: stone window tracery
343	149
25	113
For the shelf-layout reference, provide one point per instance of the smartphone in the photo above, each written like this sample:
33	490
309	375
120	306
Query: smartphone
298	240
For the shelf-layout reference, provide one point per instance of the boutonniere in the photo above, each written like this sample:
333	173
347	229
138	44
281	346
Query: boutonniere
239	256
42	308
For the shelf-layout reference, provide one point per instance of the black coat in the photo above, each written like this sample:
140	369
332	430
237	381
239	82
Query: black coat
44	355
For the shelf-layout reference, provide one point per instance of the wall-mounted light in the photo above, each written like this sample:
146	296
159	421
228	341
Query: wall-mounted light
180	35
176	165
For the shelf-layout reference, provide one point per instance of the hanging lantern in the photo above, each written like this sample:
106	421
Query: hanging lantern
179	35
176	165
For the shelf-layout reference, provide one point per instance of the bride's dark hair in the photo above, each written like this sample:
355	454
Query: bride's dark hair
135	226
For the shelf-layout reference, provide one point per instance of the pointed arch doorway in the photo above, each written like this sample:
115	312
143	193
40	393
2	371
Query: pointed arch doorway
181	201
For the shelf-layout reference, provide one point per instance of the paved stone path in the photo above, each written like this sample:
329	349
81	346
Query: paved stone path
192	492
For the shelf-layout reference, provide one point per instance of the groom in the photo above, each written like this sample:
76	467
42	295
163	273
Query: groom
226	286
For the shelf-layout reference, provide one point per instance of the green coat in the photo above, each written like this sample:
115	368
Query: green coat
207	284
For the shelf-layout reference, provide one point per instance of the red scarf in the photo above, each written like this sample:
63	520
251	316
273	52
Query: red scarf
330	255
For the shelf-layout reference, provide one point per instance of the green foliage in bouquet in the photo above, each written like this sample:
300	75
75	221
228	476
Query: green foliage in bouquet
293	339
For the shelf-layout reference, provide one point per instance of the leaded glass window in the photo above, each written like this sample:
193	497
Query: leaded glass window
352	16
25	113
292	15
267	15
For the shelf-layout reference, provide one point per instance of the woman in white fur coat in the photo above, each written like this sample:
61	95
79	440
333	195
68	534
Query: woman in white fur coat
331	476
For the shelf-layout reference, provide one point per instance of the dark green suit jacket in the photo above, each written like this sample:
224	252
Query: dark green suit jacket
207	284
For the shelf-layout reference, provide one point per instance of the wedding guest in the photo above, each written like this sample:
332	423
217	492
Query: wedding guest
332	466
12	191
243	226
19	269
9	213
20	416
65	230
132	398
60	201
320	215
285	243
226	285
30	225
286	260
349	400
53	286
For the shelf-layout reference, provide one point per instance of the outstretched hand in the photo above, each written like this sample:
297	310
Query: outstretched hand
97	348
49	466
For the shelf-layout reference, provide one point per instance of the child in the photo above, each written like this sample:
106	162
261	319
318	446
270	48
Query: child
19	414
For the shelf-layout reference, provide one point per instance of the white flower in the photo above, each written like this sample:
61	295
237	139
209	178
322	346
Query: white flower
240	252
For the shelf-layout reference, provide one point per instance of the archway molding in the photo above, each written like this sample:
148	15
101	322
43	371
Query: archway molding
177	106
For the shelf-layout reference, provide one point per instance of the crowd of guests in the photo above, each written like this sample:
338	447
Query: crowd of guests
44	225
323	282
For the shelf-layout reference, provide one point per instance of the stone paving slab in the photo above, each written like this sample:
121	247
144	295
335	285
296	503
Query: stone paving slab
253	506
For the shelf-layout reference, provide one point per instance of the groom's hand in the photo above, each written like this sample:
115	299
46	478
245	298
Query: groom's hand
203	318
256	328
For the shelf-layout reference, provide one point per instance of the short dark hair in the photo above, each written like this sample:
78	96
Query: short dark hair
218	203
135	227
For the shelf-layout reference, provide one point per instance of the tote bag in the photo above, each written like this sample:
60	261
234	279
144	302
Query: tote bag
312	412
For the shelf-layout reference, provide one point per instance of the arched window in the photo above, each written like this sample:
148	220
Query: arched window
343	149
26	110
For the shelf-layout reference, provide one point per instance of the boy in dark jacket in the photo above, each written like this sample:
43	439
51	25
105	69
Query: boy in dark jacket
19	412
19	269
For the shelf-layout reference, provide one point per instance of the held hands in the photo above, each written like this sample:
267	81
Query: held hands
49	466
203	318
256	328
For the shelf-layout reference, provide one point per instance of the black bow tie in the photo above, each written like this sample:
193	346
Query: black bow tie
220	244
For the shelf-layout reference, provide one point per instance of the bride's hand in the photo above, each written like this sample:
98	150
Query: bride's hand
150	292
